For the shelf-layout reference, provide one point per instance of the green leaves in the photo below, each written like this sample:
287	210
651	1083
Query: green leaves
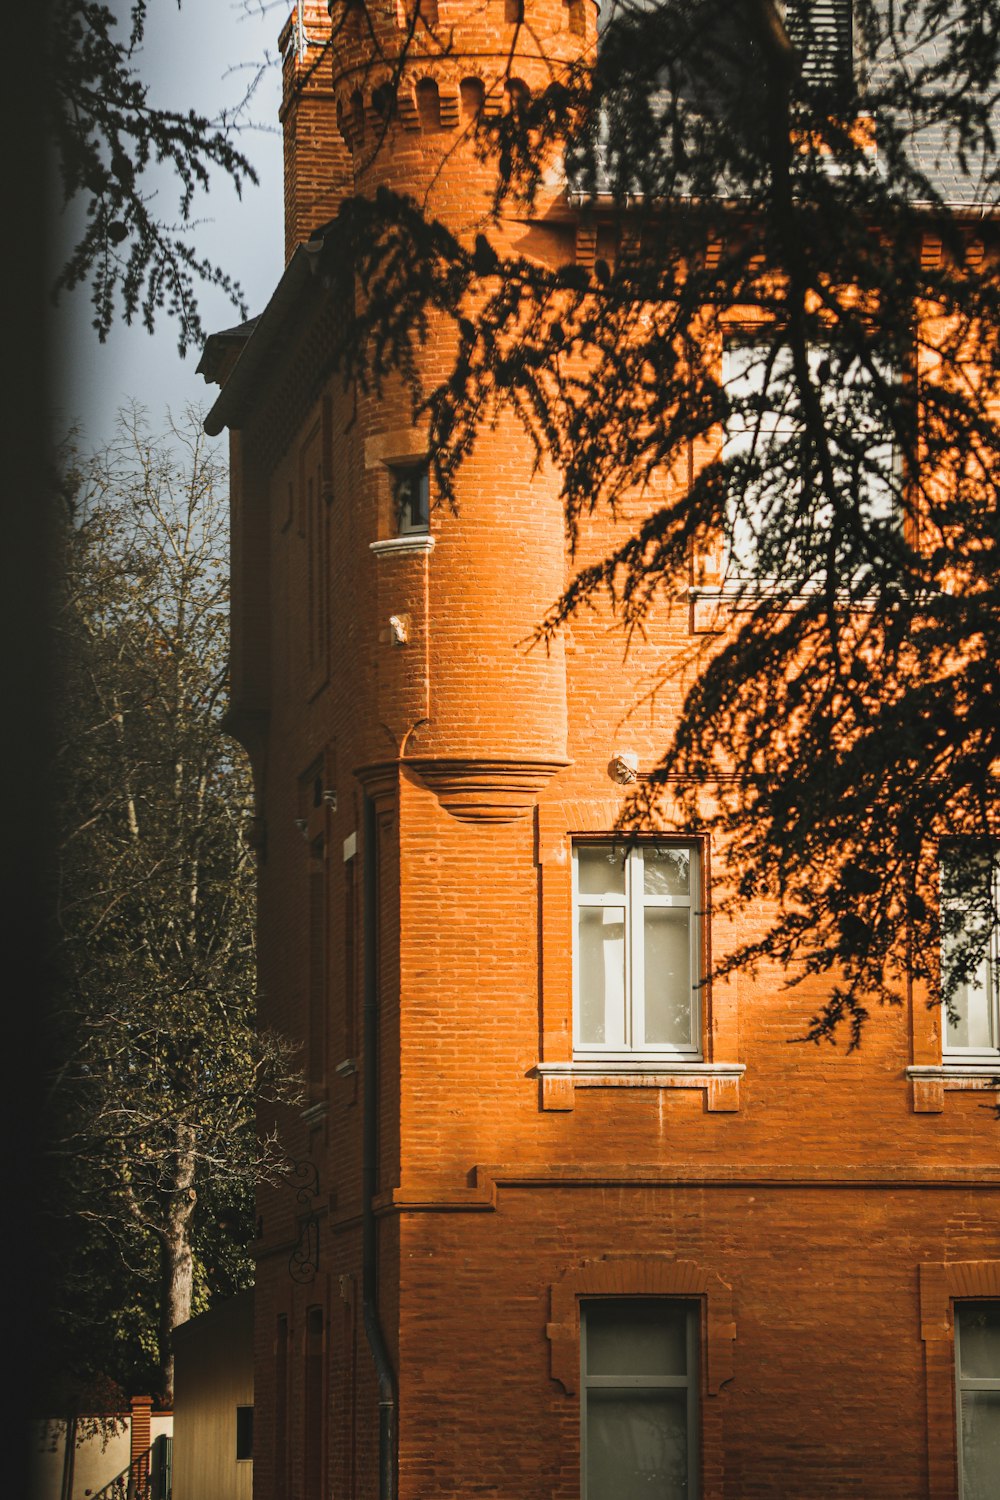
107	137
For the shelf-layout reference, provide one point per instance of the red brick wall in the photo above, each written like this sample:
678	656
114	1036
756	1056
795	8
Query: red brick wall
814	1203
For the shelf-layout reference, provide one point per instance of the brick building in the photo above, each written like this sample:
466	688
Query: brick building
560	1208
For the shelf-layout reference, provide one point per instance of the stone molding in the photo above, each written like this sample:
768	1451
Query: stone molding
941	1284
641	1276
486	790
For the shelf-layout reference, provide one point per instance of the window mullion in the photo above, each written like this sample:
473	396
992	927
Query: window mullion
993	973
635	976
695	954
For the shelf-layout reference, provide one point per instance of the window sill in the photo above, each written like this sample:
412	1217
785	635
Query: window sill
720	1081
712	605
403	546
930	1080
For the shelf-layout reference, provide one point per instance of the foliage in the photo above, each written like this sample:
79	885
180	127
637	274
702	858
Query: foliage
107	137
791	353
158	1060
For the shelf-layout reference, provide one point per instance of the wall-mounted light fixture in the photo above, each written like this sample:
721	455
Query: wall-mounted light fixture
624	767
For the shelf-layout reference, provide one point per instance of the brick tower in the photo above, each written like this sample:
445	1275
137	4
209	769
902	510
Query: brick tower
564	1219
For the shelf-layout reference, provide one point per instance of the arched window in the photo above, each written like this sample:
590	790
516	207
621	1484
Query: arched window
517	95
472	94
384	101
428	104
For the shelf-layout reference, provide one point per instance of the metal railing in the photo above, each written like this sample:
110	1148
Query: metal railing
148	1476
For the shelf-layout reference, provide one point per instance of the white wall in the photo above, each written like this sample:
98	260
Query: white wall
213	1375
97	1459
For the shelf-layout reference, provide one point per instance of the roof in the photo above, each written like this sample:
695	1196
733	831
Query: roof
255	340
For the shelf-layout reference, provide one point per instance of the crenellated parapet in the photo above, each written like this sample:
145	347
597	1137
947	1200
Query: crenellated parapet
419	75
495	39
389	91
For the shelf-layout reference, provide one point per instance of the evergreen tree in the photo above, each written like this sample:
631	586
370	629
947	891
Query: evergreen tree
106	134
788	352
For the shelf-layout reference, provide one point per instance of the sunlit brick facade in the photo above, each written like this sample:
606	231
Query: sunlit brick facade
436	806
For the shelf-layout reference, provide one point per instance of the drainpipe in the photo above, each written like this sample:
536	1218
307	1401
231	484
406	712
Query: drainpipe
369	1169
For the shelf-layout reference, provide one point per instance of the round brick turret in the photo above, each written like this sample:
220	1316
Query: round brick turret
477	713
416	74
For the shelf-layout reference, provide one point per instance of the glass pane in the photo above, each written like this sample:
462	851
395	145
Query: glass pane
636	1445
967	918
971	1025
667	997
979	1339
980	1444
602	975
636	1336
666	871
601	869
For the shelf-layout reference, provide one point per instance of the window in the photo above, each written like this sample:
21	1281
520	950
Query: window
638	1399
977	1375
411	497
823	33
637	961
772	461
244	1432
970	960
314	1403
281	1408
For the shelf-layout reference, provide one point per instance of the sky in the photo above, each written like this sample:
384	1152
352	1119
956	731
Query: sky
199	56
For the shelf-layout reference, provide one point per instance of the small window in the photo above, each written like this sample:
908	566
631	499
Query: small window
639	1391
473	94
823	34
637	964
244	1432
576	17
977	1376
970	954
411	497
428	104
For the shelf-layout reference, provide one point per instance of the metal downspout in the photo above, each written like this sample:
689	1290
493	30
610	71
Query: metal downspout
369	1169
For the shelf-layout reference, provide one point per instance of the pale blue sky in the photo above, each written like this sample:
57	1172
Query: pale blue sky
199	57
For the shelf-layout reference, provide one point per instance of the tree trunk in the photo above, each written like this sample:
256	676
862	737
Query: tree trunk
177	1259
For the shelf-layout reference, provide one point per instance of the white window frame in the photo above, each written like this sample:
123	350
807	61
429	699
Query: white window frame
688	1382
632	1047
746	355
967	1383
991	982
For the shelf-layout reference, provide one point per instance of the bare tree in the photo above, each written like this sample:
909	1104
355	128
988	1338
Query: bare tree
160	1064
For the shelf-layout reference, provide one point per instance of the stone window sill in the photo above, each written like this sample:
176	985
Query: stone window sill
720	1081
930	1080
403	546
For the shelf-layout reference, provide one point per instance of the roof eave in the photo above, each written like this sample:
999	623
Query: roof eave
229	409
